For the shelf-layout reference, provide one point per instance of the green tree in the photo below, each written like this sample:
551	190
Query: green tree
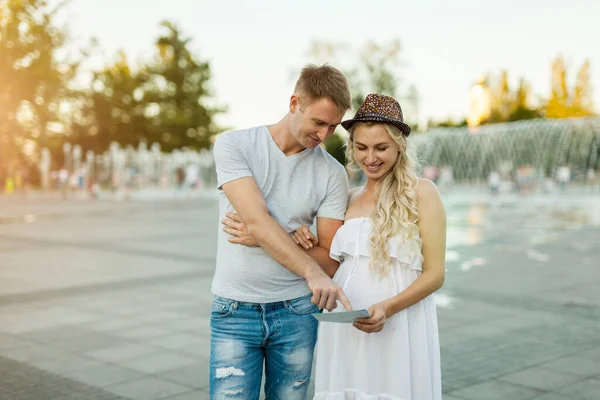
447	123
166	100
177	94
113	109
334	145
521	105
370	68
35	74
506	104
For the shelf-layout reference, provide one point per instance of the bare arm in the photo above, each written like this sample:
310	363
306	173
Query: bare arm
432	229
249	203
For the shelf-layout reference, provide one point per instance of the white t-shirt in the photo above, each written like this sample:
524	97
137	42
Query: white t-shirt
296	188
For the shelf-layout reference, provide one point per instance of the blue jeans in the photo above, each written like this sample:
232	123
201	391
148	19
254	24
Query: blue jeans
281	335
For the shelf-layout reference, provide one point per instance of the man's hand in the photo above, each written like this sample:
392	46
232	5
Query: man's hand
305	238
326	292
377	320
234	226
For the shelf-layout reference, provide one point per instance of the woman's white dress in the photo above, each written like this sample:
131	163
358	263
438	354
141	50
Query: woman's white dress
402	361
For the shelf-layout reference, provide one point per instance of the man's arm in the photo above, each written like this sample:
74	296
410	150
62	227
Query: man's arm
330	216
317	249
246	198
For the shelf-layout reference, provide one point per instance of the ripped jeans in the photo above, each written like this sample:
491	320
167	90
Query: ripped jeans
281	335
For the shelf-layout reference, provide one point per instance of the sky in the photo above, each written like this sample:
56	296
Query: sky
255	48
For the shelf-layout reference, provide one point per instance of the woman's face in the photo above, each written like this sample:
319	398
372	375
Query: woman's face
375	151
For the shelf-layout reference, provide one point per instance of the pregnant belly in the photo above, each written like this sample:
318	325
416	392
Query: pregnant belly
362	288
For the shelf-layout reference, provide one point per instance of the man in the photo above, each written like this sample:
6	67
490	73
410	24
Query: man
277	178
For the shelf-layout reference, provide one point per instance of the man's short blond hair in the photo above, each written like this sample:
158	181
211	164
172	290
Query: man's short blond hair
316	82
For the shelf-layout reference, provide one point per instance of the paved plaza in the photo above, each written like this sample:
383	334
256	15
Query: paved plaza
110	300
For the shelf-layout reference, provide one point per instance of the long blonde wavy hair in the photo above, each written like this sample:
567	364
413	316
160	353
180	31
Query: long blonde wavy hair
396	212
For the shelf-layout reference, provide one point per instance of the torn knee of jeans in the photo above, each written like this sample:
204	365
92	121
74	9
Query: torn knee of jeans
236	391
226	372
300	383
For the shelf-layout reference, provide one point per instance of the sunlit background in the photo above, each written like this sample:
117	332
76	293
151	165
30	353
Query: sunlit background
108	213
114	91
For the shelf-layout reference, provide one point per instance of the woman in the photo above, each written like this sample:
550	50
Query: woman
391	250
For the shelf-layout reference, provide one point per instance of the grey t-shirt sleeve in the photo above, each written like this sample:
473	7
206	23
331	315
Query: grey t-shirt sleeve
230	160
336	201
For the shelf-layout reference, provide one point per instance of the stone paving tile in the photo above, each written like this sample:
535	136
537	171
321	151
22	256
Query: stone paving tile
163	317
25	324
552	396
588	389
160	362
497	390
34	352
448	397
12	342
593	353
89	342
121	353
576	365
112	324
200	350
191	324
148	389
105	375
142	332
512	337
540	378
195	395
177	341
93	394
19	381
66	363
194	375
57	333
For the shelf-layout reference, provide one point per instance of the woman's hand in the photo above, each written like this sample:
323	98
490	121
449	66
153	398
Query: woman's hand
305	238
235	227
377	320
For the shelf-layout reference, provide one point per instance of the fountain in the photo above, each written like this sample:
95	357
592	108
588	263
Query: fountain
540	150
134	168
542	145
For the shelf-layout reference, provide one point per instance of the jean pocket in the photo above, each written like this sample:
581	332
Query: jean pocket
222	308
303	306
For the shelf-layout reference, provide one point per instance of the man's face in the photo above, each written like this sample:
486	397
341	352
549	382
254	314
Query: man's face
313	122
